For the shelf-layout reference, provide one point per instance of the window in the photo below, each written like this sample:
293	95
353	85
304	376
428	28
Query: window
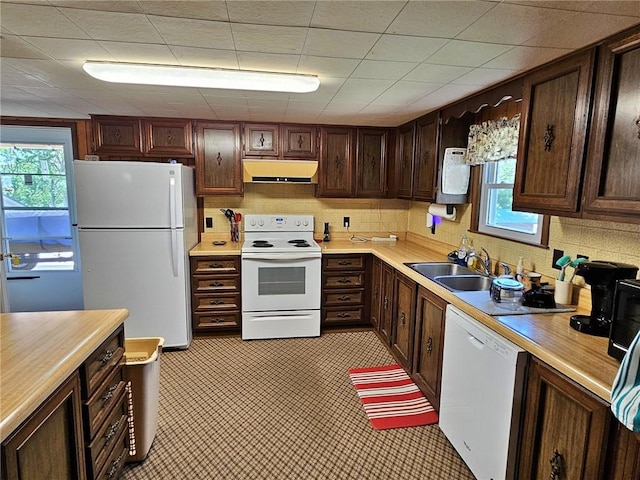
495	216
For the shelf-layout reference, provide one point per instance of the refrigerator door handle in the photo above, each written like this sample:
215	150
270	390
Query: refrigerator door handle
173	223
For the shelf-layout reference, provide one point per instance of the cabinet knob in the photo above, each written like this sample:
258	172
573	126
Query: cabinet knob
215	284
219	159
343	315
344	298
215	265
170	137
402	318
386	303
113	428
114	466
557	465
106	357
549	137
109	395
344	280
344	262
376	292
216	302
429	345
637	122
300	142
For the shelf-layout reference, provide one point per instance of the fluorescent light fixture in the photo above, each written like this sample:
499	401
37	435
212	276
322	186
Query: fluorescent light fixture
178	76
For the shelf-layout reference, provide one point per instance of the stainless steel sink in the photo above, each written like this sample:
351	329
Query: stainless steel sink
458	283
438	269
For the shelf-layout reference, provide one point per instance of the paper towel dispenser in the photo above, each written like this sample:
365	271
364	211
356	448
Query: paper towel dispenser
454	179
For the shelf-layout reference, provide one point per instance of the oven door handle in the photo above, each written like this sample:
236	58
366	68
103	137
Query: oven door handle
280	256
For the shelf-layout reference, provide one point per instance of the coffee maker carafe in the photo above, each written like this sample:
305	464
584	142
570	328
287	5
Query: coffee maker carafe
602	276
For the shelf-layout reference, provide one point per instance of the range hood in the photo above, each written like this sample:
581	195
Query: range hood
280	171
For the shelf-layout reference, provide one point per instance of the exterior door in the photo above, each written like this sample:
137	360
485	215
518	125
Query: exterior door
38	216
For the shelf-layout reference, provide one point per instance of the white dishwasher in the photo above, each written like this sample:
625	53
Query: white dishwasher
482	388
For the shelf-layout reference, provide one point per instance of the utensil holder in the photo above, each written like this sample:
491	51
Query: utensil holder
564	292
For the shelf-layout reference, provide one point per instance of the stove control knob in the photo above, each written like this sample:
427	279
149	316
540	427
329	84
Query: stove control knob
297	223
252	223
305	223
261	222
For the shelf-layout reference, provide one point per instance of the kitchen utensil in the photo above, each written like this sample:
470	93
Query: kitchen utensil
506	291
575	264
563	262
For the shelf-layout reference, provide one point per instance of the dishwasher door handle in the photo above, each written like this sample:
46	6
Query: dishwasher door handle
475	342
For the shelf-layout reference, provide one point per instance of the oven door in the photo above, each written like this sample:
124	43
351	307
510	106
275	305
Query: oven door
280	281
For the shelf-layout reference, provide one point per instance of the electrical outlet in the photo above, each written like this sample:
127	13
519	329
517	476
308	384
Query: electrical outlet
345	222
556	255
208	222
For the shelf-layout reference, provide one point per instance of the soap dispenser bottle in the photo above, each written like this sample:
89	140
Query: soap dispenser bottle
326	237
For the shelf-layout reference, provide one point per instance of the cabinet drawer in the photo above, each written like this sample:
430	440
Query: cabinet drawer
216	284
105	398
117	458
218	320
347	315
215	265
343	297
344	280
343	262
99	449
217	302
102	362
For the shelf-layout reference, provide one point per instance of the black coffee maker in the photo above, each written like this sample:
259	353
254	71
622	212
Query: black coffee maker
602	276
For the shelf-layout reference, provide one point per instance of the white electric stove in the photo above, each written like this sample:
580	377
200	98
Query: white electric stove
281	275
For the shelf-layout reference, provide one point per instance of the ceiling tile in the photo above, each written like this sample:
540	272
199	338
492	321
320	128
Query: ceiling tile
361	90
512	24
430	73
522	58
401	48
19	109
327	66
272	62
335	43
201	9
292	13
104	5
37	67
627	7
205	57
484	76
16	47
140	52
194	33
305	106
267	38
355	15
403	93
70	49
122	27
467	54
37	20
438	18
19	80
380	69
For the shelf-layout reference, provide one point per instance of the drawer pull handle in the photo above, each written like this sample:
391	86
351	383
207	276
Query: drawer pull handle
344	262
549	137
106	357
109	395
216	302
344	280
344	298
217	320
216	284
215	265
402	318
114	465
429	345
113	428
386	302
343	315
556	465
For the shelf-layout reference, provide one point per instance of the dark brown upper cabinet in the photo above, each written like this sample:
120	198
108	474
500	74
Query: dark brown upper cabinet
168	138
116	136
261	140
612	176
335	168
371	166
404	160
218	162
299	142
551	149
425	164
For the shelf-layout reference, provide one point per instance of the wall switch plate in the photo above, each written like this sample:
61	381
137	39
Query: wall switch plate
208	222
556	255
345	222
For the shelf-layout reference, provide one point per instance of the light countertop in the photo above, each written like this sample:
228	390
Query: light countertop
581	357
40	350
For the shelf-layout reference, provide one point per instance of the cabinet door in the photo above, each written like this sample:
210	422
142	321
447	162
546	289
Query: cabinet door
371	167
624	458
565	428
404	320
555	111
426	158
335	168
300	141
261	140
386	313
428	343
166	138
218	162
116	136
404	162
612	179
50	441
376	293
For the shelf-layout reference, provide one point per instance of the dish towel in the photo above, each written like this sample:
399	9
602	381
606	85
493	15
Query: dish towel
625	395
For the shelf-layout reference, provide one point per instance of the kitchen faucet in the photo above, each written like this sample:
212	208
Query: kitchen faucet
486	263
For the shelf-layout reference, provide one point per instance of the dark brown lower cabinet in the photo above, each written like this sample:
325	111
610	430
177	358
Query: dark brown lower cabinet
376	293
565	428
624	460
345	289
50	441
428	344
403	319
386	301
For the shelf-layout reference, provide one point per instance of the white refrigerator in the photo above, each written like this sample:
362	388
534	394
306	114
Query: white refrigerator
136	225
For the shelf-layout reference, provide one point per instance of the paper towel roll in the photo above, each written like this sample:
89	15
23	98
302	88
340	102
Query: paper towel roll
441	211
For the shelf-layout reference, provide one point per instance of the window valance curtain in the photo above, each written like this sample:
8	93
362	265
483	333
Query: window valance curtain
493	140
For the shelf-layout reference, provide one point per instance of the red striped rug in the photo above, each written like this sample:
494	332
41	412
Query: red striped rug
390	398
